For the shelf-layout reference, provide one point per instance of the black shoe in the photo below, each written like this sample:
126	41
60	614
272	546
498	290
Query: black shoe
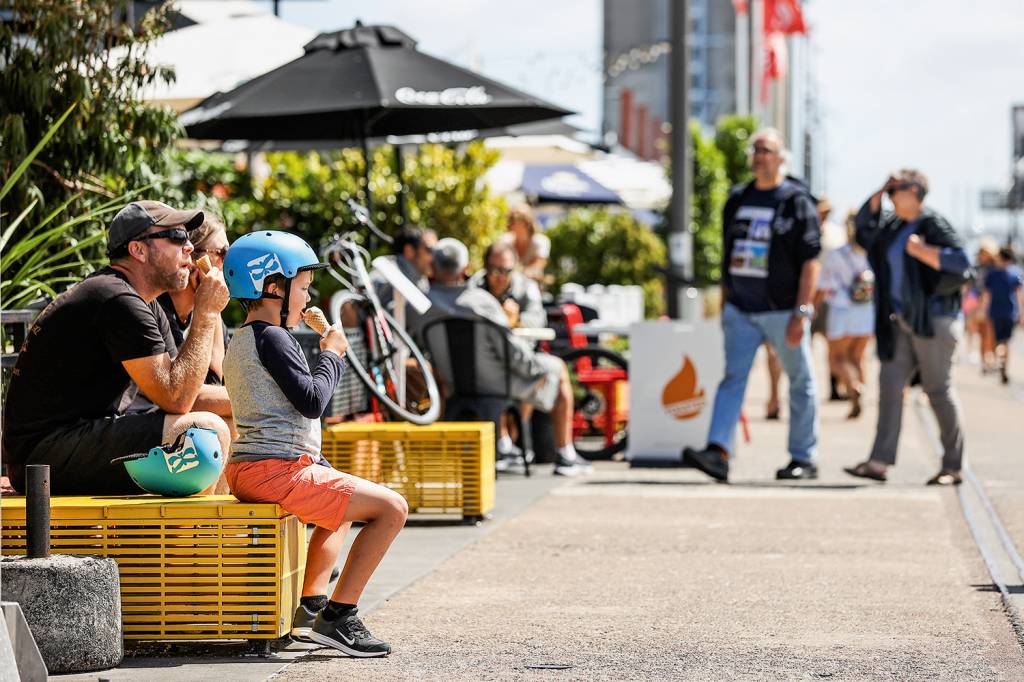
302	621
348	635
708	460
797	471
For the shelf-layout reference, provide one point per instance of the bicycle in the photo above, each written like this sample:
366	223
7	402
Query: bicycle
384	371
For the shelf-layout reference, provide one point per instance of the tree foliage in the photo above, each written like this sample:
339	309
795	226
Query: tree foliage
57	53
710	190
307	193
597	246
732	137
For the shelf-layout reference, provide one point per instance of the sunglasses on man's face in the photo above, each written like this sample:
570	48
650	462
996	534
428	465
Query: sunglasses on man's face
494	270
899	187
177	236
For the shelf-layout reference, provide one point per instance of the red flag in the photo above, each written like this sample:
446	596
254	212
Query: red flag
741	6
776	62
783	16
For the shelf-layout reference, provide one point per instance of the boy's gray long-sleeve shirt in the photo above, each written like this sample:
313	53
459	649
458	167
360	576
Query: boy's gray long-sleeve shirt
277	402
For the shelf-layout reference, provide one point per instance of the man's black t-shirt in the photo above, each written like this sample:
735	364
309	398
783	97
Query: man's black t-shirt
69	367
751	248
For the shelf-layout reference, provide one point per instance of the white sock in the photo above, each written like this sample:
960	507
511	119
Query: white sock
505	443
567	453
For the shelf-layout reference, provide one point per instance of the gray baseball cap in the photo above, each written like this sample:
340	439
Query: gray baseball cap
139	216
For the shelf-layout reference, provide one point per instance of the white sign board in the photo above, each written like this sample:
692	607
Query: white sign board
402	284
674	370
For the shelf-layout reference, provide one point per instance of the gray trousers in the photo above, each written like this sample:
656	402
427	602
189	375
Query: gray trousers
933	358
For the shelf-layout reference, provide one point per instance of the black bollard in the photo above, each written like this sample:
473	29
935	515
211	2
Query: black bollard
37	510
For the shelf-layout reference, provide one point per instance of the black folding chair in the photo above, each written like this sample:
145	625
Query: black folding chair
459	346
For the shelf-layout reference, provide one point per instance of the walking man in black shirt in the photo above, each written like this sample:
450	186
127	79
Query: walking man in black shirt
85	348
769	273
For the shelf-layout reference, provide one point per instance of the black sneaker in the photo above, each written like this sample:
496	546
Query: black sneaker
708	460
302	622
797	471
348	635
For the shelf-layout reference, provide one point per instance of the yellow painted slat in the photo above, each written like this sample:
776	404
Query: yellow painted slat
444	468
197	568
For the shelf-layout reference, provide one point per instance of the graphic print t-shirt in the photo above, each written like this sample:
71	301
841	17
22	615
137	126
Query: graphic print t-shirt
752	238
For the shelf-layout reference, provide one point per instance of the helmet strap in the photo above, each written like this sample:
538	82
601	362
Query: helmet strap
284	302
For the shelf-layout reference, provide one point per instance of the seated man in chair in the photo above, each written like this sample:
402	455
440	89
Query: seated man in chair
540	380
86	347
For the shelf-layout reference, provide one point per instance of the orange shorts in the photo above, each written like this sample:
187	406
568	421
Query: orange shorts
315	493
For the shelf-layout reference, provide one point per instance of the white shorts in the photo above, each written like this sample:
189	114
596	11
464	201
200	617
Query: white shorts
858	319
545	392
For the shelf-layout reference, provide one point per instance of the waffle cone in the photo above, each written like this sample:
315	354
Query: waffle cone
204	264
316	320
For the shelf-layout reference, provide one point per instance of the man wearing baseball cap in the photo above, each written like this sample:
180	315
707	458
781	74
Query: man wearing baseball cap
86	347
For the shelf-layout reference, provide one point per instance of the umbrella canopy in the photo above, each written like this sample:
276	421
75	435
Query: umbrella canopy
219	55
360	83
565	184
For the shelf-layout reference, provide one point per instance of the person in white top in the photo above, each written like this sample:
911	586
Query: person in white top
848	284
532	247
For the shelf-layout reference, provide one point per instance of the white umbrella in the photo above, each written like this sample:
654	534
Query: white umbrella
218	55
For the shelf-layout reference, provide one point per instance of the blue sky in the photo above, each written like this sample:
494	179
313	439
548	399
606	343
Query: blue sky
927	83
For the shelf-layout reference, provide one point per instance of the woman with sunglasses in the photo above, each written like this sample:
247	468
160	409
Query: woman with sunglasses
519	295
920	268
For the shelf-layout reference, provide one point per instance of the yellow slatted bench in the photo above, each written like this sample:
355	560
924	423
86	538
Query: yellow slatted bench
445	468
204	567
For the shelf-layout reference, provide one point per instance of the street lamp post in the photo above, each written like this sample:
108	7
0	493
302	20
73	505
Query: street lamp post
680	238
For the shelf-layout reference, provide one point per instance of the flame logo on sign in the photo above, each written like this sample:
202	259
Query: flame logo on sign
681	397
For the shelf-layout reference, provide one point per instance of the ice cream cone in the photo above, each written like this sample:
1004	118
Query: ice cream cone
316	320
204	264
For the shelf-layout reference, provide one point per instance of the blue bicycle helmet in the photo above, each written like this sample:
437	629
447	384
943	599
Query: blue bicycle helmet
255	256
188	466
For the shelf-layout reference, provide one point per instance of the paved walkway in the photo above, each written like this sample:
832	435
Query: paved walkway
659	574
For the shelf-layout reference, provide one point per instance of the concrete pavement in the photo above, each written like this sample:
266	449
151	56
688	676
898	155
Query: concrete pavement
659	574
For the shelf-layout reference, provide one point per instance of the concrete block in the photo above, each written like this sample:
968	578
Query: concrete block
73	607
27	662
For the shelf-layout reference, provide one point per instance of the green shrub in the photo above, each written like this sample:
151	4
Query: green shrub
597	246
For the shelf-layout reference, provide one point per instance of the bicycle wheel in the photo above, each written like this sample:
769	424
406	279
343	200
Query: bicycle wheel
380	370
600	386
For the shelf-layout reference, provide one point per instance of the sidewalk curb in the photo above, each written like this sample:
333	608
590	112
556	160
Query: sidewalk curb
994	544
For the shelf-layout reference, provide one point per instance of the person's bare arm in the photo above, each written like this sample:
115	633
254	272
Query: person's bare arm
217	353
175	385
212	399
804	296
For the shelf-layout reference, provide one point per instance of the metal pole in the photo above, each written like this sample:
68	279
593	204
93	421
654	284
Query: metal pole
400	168
680	241
371	242
37	510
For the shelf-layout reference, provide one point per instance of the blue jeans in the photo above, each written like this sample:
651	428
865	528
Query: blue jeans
744	334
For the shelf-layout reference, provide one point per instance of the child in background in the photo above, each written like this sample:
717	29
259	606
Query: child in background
276	458
1003	299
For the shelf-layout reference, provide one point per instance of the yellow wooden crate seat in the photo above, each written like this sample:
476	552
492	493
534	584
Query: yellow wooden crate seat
444	468
204	567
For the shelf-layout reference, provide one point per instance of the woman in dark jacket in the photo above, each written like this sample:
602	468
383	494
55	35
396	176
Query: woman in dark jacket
920	267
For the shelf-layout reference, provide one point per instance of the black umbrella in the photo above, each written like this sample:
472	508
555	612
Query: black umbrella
360	83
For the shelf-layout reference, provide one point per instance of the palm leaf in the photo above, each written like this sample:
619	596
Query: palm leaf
20	170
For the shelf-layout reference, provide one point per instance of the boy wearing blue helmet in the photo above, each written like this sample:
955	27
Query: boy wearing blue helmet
278	402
